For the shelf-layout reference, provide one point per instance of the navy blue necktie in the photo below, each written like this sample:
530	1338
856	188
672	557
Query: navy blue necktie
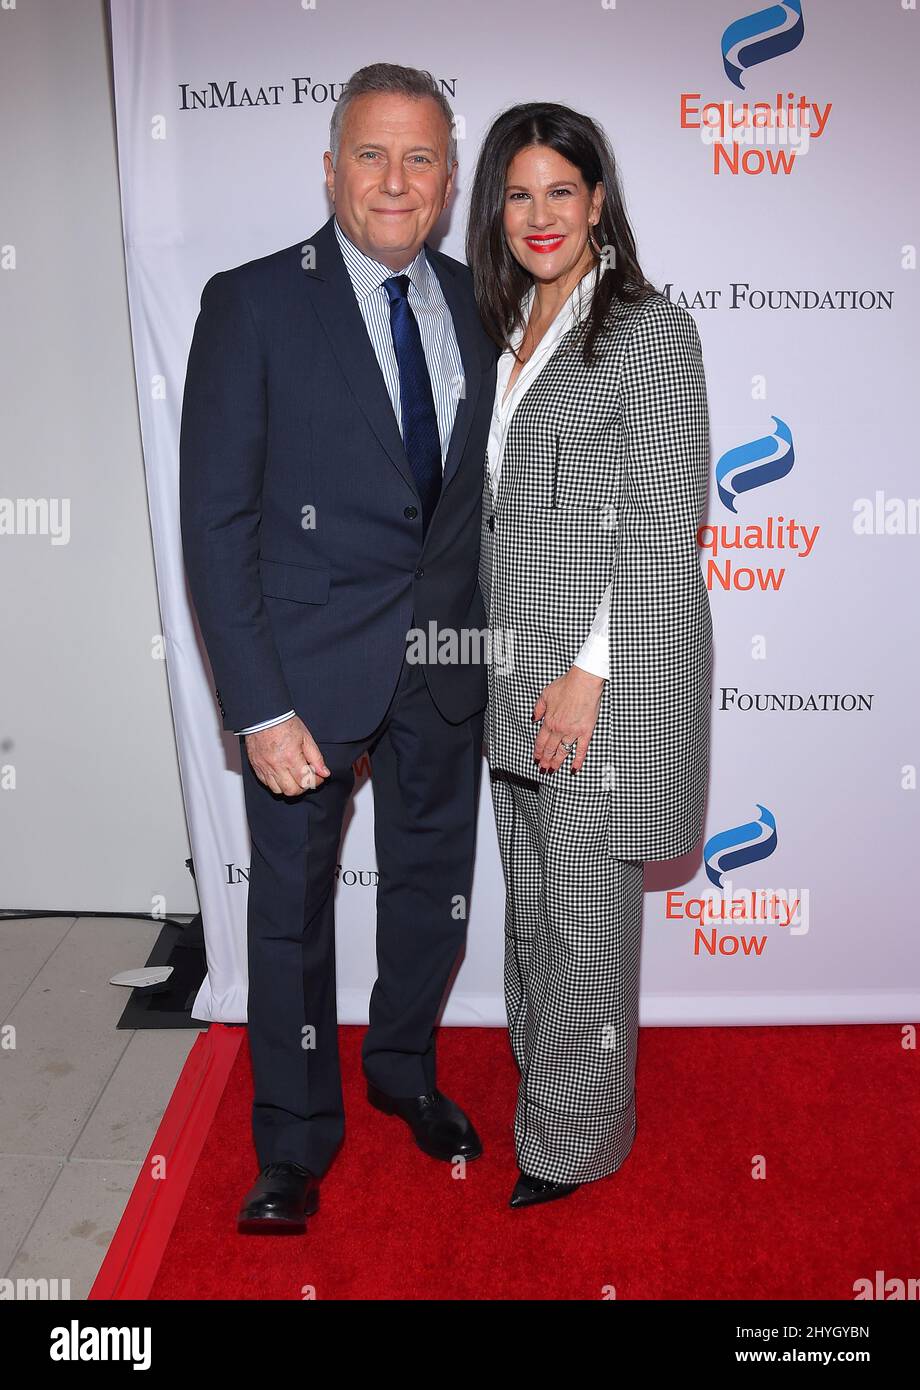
421	438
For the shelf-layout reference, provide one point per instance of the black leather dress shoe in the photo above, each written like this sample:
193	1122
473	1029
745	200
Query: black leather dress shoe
283	1196
529	1192
440	1127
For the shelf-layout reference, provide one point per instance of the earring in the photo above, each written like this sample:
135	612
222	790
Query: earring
591	242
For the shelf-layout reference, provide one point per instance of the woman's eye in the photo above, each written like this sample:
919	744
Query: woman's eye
562	192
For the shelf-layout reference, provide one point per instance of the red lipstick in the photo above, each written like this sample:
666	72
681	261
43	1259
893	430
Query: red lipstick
545	244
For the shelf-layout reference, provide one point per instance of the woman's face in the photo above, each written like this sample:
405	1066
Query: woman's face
548	211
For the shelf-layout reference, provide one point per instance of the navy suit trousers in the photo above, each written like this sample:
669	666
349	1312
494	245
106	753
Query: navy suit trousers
425	776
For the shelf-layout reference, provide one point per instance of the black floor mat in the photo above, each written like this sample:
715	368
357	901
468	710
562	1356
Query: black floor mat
170	1005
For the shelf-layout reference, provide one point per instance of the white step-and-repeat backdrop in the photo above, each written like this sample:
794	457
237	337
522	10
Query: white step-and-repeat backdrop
768	159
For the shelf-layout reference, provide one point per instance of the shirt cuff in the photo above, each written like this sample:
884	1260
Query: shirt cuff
254	728
595	653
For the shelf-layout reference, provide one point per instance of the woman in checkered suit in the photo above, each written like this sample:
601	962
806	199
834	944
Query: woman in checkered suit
599	679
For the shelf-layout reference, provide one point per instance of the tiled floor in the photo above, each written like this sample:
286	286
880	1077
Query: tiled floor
80	1101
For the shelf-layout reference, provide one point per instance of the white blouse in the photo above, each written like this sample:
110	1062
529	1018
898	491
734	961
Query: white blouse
594	654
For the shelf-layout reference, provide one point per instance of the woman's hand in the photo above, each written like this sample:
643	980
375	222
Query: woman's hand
568	708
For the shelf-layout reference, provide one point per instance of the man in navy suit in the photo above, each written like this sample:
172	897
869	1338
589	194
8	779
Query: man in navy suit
334	426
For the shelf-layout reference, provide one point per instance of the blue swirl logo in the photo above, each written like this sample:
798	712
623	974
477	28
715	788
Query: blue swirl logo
753	464
761	36
743	844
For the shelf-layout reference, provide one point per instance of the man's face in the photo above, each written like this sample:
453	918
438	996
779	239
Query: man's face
392	180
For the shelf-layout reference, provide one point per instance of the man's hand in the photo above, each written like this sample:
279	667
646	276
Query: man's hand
285	758
569	708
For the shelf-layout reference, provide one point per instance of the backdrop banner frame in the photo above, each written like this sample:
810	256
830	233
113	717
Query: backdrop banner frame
783	915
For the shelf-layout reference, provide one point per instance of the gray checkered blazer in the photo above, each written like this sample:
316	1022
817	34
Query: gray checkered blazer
604	476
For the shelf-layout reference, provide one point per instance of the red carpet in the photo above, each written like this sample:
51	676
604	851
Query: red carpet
834	1111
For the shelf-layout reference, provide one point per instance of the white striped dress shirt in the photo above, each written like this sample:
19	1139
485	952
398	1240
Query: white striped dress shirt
594	654
439	343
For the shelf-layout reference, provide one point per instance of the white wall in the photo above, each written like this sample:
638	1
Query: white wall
95	821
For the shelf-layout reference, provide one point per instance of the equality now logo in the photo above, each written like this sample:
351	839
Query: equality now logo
755	464
720	919
760	137
760	37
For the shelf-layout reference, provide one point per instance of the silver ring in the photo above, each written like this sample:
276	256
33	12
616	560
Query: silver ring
568	746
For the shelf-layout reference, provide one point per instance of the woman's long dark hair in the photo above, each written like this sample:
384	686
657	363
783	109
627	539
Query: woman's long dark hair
500	281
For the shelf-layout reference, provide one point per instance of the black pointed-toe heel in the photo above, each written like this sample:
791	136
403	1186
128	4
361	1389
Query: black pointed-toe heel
530	1192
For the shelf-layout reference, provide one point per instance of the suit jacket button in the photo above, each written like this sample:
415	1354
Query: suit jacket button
411	513
491	523
419	573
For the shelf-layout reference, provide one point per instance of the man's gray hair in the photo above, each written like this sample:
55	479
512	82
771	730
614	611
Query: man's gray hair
390	77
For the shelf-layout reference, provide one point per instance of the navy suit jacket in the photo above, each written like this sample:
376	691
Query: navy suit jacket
301	521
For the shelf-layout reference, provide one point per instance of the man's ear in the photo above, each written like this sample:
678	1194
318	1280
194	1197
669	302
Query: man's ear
329	168
450	184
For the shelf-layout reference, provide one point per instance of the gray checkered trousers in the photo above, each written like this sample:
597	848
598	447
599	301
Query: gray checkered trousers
604	477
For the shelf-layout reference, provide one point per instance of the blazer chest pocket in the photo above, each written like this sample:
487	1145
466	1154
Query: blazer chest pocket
587	468
301	583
